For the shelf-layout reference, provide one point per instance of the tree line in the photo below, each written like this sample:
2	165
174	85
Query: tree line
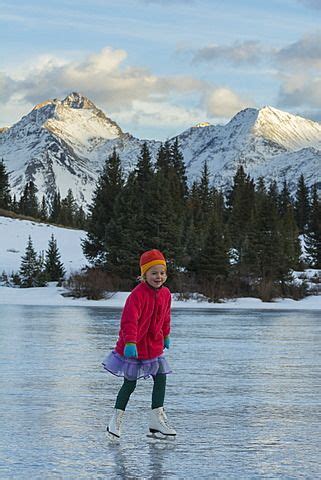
245	241
62	211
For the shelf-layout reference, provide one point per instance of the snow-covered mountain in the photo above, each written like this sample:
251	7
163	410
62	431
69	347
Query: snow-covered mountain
267	142
63	144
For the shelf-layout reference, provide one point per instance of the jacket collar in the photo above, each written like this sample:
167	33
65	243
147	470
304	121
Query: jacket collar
150	288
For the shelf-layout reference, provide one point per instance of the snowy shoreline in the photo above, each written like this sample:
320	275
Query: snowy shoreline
14	236
52	296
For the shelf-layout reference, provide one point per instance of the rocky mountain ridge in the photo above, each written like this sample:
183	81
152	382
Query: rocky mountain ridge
63	144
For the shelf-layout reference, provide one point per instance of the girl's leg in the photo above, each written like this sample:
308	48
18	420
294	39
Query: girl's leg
124	393
158	422
159	388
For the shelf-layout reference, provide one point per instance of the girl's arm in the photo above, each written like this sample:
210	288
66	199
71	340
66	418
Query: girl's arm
167	318
129	319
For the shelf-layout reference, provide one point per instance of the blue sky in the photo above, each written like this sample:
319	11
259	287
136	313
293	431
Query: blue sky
157	67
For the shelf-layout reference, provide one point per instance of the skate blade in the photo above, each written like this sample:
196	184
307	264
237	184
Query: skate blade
112	438
161	436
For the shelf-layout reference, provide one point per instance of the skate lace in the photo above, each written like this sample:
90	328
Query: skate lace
164	419
119	420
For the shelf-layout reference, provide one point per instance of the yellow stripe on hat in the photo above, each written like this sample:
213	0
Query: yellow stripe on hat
146	266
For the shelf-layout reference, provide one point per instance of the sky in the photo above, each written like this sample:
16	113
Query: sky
157	67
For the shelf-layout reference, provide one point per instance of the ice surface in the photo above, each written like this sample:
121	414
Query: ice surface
244	397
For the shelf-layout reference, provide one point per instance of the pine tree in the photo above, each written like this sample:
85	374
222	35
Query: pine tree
284	199
53	266
267	244
142	189
56	207
80	219
290	244
110	184
313	235
212	265
67	210
28	204
129	231
241	205
15	204
123	236
5	198
302	205
31	268
179	170
43	213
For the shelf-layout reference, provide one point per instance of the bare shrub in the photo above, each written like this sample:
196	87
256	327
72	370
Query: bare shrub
267	290
93	284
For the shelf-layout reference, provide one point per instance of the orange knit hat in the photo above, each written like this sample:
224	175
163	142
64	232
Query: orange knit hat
150	258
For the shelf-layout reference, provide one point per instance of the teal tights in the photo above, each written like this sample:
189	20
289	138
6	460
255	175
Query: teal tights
129	386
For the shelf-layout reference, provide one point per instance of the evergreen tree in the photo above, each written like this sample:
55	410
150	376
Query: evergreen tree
267	245
28	204
123	236
67	210
110	183
290	244
302	205
80	220
212	264
179	170
142	187
43	209
284	199
241	205
5	198
31	268
15	204
313	235
53	266
56	207
273	192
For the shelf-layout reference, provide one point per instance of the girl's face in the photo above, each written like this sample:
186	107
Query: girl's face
156	276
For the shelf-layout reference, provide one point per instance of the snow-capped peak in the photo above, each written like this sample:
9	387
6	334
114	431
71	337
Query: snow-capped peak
77	100
290	131
201	125
80	123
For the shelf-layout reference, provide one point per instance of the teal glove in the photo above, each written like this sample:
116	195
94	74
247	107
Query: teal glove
130	350
167	342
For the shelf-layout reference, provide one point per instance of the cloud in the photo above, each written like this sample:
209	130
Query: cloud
132	95
164	115
248	52
223	102
299	66
299	91
304	53
104	77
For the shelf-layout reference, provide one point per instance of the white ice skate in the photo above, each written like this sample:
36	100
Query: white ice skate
159	428
114	426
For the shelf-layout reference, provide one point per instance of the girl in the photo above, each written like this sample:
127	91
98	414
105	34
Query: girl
144	333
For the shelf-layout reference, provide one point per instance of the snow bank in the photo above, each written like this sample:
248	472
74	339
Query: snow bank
14	237
52	296
13	240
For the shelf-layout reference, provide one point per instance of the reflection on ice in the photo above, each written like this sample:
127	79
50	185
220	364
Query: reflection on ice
244	397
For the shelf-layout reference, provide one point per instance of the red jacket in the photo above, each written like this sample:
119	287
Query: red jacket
145	321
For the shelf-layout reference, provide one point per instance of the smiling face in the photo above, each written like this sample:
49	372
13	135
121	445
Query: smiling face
156	276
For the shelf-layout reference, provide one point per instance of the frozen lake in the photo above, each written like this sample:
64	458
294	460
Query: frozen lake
245	397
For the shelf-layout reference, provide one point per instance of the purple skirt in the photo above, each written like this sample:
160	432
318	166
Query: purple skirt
132	369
